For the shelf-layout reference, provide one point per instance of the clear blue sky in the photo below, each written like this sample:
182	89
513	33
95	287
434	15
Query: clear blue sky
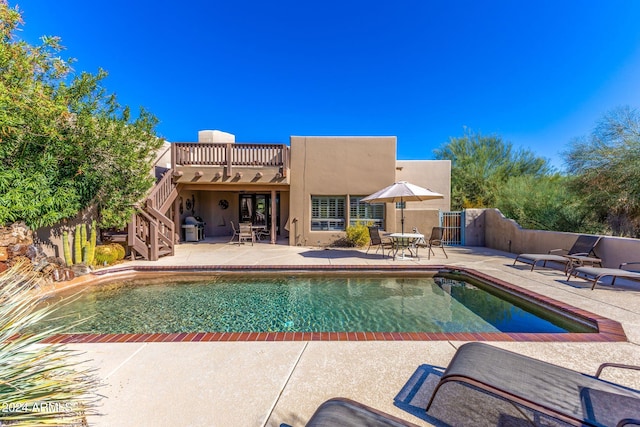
538	73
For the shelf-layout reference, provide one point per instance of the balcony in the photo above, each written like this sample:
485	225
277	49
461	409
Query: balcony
230	163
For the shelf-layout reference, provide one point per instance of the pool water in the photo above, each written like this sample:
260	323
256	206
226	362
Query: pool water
300	304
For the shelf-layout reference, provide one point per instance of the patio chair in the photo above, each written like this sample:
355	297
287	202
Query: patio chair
595	274
435	241
235	231
380	242
579	253
263	233
246	233
348	413
555	391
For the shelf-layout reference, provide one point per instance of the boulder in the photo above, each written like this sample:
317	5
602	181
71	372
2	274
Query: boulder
80	269
18	250
16	233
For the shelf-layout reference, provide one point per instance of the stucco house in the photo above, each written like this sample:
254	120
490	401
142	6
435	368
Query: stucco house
305	193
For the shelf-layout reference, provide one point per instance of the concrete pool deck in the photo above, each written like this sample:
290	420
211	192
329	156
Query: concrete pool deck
282	383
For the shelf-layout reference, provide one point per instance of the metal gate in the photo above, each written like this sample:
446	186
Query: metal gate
453	224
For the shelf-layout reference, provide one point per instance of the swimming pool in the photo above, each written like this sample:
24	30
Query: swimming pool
302	303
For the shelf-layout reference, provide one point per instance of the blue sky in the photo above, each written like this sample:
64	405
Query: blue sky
538	73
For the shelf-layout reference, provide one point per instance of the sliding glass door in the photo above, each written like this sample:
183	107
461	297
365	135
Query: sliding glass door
256	209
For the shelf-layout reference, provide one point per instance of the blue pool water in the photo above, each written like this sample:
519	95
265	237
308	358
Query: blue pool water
302	304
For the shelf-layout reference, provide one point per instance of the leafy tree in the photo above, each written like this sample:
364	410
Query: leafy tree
480	165
544	203
606	170
65	143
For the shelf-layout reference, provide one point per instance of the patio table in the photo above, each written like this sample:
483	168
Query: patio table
402	241
259	231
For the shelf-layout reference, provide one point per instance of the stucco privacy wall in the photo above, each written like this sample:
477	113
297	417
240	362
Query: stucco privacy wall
506	235
336	166
434	175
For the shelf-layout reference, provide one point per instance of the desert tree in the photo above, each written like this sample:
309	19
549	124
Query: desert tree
65	142
605	167
481	164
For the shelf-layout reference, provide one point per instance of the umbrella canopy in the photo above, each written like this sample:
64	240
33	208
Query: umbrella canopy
402	191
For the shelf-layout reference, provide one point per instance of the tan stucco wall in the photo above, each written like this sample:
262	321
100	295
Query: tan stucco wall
422	219
336	166
506	235
432	174
50	238
474	227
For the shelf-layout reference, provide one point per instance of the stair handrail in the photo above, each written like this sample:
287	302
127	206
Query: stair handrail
161	192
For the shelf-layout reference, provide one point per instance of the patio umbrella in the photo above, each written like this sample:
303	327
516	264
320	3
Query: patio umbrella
402	191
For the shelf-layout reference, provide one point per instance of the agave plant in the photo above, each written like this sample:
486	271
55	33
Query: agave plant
40	384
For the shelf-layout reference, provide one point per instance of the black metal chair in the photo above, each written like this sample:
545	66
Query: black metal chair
380	242
434	241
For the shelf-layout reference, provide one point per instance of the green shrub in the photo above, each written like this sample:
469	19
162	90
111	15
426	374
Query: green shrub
120	251
106	254
358	235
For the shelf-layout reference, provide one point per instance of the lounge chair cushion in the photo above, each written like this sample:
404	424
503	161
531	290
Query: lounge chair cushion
347	413
596	274
582	247
545	257
535	383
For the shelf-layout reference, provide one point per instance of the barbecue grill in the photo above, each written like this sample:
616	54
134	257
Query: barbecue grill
193	229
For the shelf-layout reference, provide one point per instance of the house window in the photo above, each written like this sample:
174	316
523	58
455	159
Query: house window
327	213
365	213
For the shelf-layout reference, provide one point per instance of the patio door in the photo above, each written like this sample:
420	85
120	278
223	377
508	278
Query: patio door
256	209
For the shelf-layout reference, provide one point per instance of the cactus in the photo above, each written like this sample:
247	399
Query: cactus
83	234
77	244
85	254
91	252
66	249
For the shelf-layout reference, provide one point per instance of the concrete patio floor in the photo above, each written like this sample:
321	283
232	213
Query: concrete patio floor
282	383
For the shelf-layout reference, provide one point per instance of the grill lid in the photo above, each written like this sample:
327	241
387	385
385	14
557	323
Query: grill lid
192	221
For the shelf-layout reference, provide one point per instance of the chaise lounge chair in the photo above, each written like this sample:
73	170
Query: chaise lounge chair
595	274
561	393
580	252
341	412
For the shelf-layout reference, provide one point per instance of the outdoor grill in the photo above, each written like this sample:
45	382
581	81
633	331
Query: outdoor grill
193	229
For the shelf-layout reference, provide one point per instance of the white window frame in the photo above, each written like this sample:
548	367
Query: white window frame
365	213
328	213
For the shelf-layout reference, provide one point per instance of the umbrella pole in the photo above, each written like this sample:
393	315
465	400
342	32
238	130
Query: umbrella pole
401	215
402	239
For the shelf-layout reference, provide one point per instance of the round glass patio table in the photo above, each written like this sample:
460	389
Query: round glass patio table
403	241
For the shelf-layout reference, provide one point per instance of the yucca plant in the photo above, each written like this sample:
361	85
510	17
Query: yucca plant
40	384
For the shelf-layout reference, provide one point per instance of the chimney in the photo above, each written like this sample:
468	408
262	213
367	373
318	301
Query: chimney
215	136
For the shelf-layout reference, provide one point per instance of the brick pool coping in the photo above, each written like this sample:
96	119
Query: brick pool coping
608	330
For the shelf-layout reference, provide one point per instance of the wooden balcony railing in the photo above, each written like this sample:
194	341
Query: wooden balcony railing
230	154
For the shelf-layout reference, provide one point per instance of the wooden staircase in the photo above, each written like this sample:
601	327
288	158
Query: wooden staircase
151	232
